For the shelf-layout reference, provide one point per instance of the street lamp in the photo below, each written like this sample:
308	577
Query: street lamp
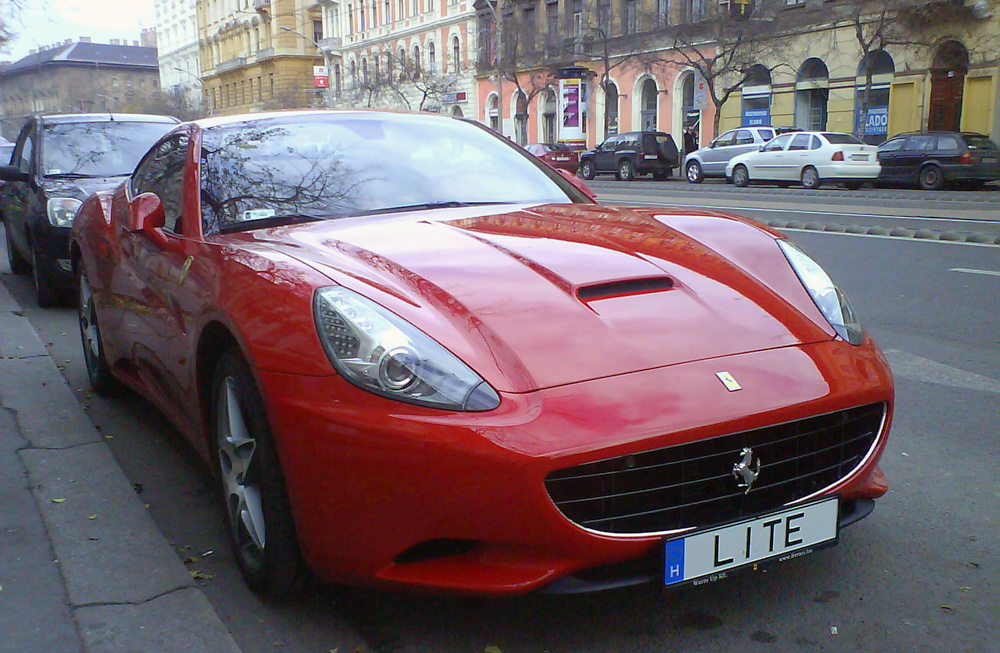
326	63
204	92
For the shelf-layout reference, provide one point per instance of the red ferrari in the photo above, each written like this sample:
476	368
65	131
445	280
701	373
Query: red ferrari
418	357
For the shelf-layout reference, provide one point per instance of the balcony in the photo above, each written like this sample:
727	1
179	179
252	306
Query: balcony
331	44
262	5
235	62
265	53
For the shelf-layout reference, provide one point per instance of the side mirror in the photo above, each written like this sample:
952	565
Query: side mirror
146	216
711	145
577	183
12	173
762	148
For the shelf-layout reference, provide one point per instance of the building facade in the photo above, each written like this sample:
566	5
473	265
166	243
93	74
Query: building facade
259	55
76	77
404	54
928	65
177	45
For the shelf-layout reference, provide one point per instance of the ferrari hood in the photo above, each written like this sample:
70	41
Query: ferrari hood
543	296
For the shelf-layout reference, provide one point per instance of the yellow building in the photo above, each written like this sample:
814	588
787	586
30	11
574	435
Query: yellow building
261	56
947	76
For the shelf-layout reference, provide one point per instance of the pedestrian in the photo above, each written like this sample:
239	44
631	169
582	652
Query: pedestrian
690	140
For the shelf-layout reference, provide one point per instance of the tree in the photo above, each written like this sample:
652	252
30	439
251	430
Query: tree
10	13
722	44
170	103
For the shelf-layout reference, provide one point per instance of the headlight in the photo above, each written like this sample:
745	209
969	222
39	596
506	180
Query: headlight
62	210
828	297
380	352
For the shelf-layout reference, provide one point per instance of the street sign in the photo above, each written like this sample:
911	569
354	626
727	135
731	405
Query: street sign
321	77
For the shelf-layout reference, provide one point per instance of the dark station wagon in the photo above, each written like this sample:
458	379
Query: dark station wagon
933	160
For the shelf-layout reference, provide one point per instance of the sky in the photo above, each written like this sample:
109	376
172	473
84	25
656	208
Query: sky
44	22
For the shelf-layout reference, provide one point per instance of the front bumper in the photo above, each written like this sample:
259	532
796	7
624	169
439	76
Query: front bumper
52	252
394	495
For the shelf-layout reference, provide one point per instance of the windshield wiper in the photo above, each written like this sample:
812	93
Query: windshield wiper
272	221
81	175
426	206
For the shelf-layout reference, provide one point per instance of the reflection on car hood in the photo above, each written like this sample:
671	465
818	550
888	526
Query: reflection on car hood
541	296
79	188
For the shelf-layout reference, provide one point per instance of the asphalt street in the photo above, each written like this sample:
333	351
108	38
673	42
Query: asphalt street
110	538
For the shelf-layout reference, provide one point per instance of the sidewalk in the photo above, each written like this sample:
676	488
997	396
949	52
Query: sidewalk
82	565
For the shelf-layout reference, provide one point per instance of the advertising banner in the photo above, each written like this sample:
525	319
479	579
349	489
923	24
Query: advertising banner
571	105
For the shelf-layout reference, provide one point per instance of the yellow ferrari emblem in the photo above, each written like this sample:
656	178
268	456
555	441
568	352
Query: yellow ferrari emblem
729	381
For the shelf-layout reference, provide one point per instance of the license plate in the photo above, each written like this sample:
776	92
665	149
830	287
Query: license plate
990	159
710	554
859	157
562	158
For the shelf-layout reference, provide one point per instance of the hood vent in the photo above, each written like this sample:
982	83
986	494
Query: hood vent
624	288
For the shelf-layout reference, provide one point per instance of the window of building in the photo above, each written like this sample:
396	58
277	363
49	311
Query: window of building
630	21
552	21
431	58
416	62
456	55
317	30
812	92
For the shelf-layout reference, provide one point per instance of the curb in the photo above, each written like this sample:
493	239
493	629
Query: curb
896	232
124	587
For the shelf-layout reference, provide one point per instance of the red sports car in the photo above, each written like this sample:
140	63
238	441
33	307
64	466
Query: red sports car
420	359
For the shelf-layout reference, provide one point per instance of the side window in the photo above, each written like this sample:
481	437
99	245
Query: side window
162	172
609	145
816	143
765	134
24	149
744	137
778	143
948	143
800	142
894	145
725	139
918	143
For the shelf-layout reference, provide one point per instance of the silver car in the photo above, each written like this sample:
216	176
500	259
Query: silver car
711	160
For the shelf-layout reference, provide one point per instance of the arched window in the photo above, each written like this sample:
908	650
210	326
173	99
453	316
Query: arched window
416	62
493	112
521	119
690	111
354	74
756	101
364	70
337	82
402	64
431	58
871	97
456	111
812	92
549	109
456	55
647	111
951	64
610	109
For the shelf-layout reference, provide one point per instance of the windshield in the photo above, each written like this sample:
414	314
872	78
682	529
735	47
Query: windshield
97	149
337	165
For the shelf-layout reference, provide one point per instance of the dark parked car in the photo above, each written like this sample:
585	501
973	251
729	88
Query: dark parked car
57	162
630	154
557	155
936	159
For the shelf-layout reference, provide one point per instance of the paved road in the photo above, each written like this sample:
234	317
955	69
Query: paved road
921	574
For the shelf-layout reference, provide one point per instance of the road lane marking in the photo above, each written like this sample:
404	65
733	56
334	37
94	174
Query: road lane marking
916	368
992	273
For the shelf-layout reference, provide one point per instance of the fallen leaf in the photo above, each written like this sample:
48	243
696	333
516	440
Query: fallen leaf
492	649
965	588
205	554
200	575
948	609
59	501
92	517
833	630
191	560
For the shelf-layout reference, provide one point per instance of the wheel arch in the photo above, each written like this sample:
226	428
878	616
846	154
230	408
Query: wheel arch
215	340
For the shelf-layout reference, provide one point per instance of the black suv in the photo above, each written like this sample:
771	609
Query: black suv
935	159
57	162
631	154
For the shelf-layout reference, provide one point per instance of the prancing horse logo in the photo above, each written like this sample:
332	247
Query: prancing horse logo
742	471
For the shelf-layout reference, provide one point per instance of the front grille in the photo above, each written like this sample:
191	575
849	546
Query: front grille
692	484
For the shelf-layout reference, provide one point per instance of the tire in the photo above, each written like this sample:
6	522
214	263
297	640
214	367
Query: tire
810	178
931	178
694	173
587	169
625	170
98	369
45	293
663	175
18	264
741	177
255	500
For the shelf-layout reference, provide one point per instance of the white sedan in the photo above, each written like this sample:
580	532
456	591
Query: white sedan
808	158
